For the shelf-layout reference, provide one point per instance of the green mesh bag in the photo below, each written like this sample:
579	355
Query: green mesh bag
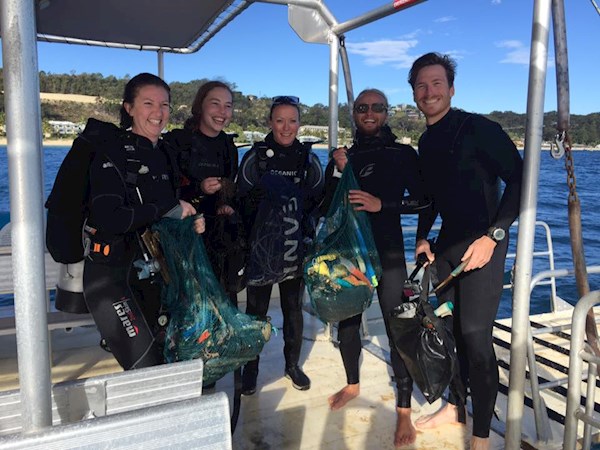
203	323
343	270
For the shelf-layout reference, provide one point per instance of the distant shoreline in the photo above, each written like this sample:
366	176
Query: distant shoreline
69	142
47	142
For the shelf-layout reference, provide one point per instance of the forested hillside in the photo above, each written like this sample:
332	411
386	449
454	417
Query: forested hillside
251	112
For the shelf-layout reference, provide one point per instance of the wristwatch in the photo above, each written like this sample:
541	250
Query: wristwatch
496	234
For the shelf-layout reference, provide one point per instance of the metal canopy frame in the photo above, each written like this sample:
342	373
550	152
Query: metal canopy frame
21	85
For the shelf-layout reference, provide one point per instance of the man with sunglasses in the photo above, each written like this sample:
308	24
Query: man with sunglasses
384	170
464	156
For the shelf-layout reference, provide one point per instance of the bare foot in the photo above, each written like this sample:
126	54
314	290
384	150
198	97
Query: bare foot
447	414
479	443
405	431
340	398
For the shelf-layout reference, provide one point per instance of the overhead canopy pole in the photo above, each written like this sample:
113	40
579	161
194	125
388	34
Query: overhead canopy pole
24	134
334	81
538	61
160	62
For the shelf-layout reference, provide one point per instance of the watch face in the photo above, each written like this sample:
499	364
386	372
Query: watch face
498	234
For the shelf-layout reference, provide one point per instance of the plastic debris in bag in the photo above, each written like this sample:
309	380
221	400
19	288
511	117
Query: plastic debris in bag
343	270
203	322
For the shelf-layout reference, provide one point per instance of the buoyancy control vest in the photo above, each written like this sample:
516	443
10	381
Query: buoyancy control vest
68	203
226	241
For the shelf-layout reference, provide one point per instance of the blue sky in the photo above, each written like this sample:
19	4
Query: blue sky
262	55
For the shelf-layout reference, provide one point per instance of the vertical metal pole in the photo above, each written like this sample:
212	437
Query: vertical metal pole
160	56
334	64
24	131
348	79
523	262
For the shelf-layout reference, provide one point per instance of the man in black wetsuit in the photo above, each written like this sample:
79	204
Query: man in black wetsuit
384	170
463	158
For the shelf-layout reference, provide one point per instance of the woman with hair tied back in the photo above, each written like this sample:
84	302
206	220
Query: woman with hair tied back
208	160
280	182
132	178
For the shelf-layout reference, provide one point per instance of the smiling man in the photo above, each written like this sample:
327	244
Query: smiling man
385	170
463	158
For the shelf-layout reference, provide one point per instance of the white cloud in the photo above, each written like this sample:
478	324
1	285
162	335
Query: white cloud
518	53
496	2
445	19
389	51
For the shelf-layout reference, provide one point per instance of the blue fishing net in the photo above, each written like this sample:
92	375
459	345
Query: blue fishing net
203	322
343	269
276	242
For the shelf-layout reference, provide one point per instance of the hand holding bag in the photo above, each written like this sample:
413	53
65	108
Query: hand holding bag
425	343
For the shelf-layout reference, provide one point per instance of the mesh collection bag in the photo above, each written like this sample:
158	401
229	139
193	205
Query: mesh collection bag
343	269
276	241
203	323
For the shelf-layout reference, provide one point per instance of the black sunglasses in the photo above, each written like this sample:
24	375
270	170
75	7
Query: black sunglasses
286	100
363	108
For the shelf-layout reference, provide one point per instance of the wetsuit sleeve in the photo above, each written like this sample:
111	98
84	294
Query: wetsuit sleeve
314	184
109	209
248	194
410	179
331	183
426	217
503	160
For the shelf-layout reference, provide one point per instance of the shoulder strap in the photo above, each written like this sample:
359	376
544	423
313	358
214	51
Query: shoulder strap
261	149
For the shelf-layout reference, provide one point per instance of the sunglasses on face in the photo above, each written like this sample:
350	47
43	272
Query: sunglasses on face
286	100
363	108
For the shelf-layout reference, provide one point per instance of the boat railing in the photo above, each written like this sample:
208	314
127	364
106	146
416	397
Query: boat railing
56	319
546	251
542	421
578	354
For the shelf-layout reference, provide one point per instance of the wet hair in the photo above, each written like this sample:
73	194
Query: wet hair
373	91
193	122
275	104
132	88
432	59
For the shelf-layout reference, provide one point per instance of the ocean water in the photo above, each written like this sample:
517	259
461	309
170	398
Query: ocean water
552	209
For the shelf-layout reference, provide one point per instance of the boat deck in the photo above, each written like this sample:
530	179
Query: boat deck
279	416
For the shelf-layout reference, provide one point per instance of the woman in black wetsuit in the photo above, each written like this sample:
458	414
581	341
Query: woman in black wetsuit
208	160
384	170
131	185
280	163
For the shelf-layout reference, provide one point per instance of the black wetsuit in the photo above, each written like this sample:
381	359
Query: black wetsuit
291	163
464	156
131	186
200	157
386	170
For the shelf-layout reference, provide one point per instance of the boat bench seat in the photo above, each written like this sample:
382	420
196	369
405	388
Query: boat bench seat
56	319
160	405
